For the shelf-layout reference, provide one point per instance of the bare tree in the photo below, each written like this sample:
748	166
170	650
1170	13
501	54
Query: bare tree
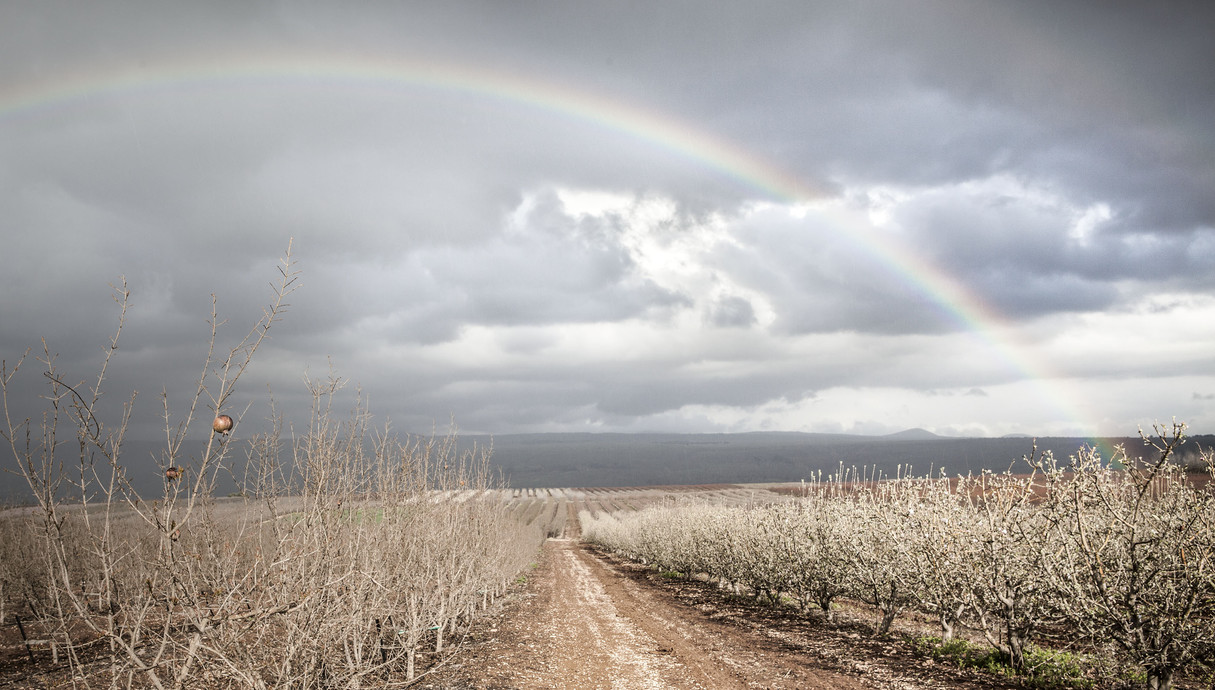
1137	568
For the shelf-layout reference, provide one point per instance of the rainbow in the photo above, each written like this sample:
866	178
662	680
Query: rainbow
654	128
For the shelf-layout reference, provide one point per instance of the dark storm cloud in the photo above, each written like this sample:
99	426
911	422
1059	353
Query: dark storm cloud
1053	160
1107	101
1033	253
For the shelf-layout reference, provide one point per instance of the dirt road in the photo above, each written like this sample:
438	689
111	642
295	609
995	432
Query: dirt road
586	620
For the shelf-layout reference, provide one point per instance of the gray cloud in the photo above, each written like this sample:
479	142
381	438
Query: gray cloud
1054	164
732	312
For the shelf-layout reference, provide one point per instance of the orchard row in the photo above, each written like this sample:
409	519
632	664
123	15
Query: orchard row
1118	561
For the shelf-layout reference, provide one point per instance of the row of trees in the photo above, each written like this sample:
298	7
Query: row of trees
348	554
1124	559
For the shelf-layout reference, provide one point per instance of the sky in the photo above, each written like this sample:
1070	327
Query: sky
980	218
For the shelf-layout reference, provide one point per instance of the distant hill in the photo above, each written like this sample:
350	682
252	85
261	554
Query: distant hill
916	434
560	460
609	460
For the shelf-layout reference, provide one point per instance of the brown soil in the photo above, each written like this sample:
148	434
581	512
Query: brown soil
588	620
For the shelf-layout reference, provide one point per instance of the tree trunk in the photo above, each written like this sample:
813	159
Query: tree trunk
946	628
1016	649
439	628
1160	679
949	621
824	602
888	616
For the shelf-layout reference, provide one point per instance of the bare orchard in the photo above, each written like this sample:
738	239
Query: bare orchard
351	558
1113	566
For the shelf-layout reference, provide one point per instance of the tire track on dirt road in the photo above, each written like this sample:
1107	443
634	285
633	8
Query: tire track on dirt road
593	643
586	625
714	653
588	620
